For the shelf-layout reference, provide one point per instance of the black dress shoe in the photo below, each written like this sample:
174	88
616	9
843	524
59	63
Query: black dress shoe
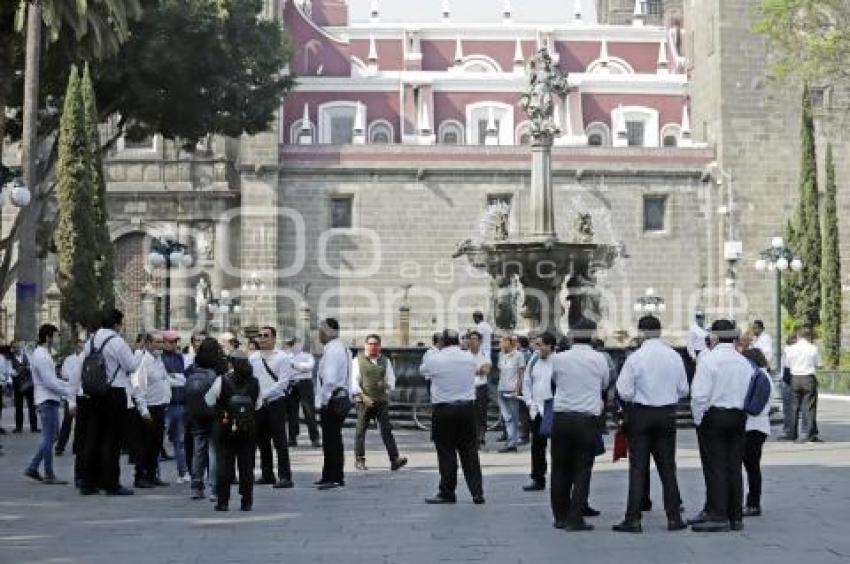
559	524
478	500
676	525
284	485
590	512
736	525
33	474
711	527
440	500
220	507
265	481
329	485
628	527
578	527
143	484
246	506
89	491
646	505
534	486
317	444
700	517
120	491
815	440
752	511
507	449
292	443
159	483
398	463
360	464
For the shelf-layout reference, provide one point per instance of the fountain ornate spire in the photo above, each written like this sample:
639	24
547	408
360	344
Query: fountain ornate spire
545	81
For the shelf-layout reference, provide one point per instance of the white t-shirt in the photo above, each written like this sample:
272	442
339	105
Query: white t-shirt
509	367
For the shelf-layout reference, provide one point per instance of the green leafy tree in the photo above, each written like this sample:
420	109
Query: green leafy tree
103	264
75	240
831	271
808	224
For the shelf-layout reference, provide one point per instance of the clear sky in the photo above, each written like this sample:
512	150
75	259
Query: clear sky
555	12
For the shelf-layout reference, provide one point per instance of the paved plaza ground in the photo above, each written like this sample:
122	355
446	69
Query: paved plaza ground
379	516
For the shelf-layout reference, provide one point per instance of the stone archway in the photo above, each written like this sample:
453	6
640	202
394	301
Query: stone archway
132	279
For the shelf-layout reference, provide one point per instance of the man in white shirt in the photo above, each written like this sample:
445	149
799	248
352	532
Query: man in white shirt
334	402
101	452
372	378
696	336
68	372
803	359
511	368
48	392
486	332
651	383
537	394
151	394
483	367
302	392
718	392
20	365
762	341
452	375
580	375
269	365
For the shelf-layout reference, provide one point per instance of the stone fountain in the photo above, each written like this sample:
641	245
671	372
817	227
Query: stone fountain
555	274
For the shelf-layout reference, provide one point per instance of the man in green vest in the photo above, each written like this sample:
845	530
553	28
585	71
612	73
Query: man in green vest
372	377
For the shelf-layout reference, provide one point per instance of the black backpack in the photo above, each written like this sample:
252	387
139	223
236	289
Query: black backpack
758	392
198	383
23	374
239	408
94	376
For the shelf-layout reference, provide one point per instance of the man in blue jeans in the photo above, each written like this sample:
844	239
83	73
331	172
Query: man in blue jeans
49	391
511	368
174	415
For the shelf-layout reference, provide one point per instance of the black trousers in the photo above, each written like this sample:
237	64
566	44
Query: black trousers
524	424
455	436
234	449
149	436
271	430
188	441
538	451
19	398
753	443
574	439
723	431
804	399
381	412
482	403
65	430
82	422
333	468
302	395
102	447
652	432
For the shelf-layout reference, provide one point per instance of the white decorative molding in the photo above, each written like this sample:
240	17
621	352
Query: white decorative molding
671	130
649	117
381	125
500	111
324	113
601	129
453	126
501	32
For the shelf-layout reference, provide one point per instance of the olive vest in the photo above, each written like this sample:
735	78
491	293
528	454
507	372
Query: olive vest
373	376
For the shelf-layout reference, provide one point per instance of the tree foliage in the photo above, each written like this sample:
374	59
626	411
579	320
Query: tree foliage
831	271
809	39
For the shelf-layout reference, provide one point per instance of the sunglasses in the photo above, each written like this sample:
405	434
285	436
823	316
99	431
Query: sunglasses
264	335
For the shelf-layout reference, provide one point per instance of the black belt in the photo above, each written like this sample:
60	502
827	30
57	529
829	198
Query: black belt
576	414
461	403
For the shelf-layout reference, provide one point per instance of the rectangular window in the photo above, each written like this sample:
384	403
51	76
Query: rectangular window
654	211
144	144
820	98
342	208
482	130
497	198
342	129
634	133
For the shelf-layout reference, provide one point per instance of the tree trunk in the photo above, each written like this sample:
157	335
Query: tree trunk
27	290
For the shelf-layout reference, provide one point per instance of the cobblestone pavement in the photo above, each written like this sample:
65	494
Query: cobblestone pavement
379	516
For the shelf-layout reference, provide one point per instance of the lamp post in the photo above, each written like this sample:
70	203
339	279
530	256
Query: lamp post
225	305
649	303
778	258
168	253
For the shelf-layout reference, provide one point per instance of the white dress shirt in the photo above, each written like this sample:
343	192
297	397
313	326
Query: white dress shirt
452	375
580	375
761	422
389	377
696	341
486	337
300	366
802	358
654	375
47	385
480	360
334	371
151	385
72	372
722	380
278	361
765	344
119	359
510	365
537	384
212	395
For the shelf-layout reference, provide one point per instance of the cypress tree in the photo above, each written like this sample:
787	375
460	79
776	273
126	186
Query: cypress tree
74	237
831	272
104	262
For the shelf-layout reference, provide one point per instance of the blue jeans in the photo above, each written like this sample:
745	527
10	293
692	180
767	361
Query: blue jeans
176	429
203	459
48	413
509	407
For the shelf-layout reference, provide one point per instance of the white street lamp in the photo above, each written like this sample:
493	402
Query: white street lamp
782	264
796	265
20	196
156	260
761	265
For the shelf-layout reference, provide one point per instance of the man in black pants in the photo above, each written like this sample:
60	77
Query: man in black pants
483	367
334	402
21	372
100	466
302	393
269	369
651	383
718	393
537	395
451	372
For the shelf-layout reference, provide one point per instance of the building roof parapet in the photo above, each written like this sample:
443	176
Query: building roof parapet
446	31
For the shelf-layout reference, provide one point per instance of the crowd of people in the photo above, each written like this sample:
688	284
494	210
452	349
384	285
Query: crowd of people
218	405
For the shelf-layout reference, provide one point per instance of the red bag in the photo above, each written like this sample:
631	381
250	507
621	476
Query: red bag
621	445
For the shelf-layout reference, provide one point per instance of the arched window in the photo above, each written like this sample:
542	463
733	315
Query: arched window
296	130
523	134
480	63
478	116
611	65
451	133
336	122
671	134
380	132
598	134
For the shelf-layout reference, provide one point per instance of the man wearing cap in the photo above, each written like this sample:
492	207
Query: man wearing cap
452	375
718	392
372	378
301	391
